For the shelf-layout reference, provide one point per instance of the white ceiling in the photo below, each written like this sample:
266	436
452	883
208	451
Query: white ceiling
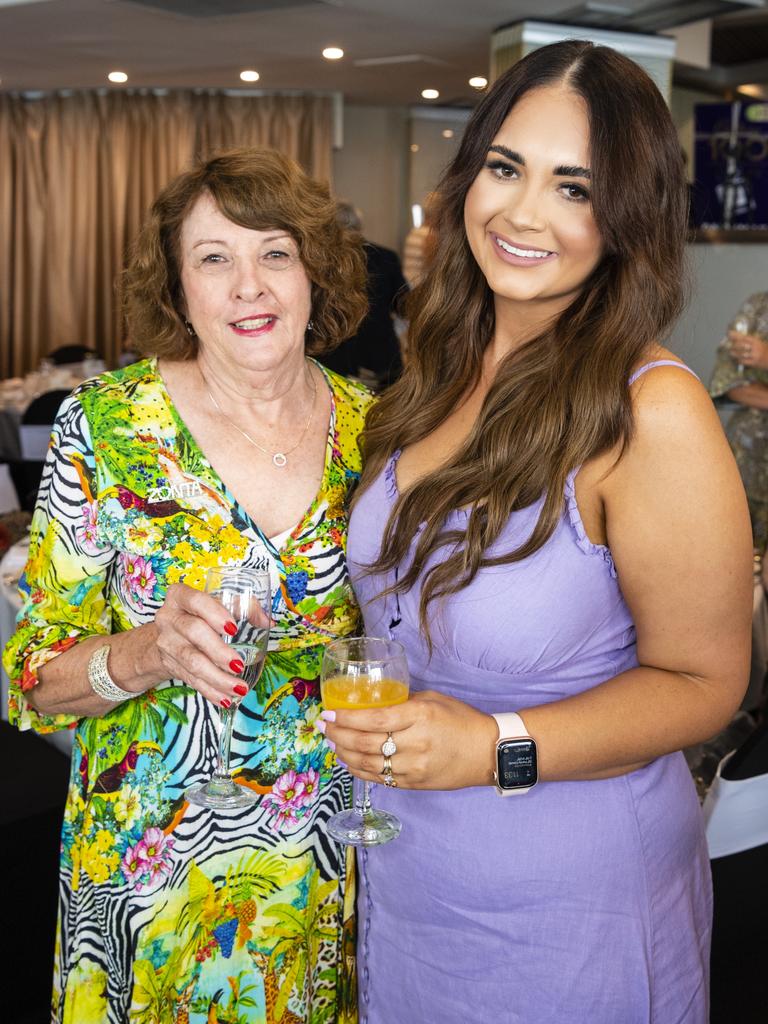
53	44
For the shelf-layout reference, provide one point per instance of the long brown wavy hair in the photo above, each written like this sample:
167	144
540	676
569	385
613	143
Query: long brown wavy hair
563	397
255	188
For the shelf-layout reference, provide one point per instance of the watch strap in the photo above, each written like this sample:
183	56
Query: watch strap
511	726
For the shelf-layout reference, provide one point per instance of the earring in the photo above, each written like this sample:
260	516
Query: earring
190	328
310	326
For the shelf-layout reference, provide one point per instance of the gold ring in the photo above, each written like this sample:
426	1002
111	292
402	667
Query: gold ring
386	772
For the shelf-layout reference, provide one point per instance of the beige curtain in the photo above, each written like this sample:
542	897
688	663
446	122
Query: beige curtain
77	174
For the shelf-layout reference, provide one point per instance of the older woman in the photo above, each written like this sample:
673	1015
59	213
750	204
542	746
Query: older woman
227	445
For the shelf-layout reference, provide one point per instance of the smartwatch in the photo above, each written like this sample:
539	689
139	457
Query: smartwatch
516	761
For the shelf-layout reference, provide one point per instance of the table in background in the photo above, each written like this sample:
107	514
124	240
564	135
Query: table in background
16	393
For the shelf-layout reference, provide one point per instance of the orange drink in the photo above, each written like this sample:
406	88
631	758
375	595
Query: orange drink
362	691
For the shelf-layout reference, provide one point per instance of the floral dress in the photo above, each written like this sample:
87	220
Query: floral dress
747	428
170	912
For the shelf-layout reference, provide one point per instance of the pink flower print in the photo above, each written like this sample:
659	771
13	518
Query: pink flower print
310	781
285	815
133	864
158	872
153	847
286	798
140	577
87	532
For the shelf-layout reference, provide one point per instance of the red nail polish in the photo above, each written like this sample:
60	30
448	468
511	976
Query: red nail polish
236	665
225	702
230	627
240	690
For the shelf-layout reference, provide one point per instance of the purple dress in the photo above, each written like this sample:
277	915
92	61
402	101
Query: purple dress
576	903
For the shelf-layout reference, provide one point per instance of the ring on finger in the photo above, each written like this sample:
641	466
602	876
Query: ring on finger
387	773
389	747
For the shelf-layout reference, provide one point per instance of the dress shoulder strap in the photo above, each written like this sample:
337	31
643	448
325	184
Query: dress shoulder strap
660	362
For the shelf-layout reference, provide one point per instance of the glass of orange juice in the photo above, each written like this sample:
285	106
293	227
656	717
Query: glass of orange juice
363	672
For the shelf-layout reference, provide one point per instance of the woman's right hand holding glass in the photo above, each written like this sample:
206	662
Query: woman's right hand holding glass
748	349
190	626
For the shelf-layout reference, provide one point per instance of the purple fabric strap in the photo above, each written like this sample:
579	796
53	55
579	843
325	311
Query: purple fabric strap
660	362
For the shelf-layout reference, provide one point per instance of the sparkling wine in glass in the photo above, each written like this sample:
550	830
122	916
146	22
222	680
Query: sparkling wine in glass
245	593
363	672
741	326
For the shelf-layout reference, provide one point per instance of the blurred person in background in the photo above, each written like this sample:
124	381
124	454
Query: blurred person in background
373	352
741	375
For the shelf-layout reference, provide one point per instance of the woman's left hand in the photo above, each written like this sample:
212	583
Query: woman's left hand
442	743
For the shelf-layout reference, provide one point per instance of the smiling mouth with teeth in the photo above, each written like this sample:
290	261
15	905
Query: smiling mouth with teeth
536	254
254	324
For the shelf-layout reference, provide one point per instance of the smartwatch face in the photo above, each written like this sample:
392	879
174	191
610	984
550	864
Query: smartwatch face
517	766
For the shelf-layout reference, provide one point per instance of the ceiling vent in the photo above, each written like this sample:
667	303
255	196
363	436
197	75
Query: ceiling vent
226	8
653	16
398	58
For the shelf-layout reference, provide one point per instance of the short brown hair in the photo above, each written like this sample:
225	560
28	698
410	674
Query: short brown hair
259	189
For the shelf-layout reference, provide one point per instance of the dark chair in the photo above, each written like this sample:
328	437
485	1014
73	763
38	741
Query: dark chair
42	410
65	354
34	435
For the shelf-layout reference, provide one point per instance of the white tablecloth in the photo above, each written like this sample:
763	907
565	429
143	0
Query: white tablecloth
10	603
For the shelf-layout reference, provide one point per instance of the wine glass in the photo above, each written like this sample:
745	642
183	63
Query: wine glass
741	326
363	672
245	593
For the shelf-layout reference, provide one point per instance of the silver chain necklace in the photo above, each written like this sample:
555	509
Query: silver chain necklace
279	459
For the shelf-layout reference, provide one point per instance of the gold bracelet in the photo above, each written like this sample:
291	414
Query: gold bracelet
102	683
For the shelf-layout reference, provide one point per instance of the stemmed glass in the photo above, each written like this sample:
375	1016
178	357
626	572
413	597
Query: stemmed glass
245	593
741	326
363	672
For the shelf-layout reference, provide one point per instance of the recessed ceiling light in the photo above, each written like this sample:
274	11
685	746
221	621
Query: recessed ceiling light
414	147
249	76
333	53
478	82
447	133
430	94
758	91
117	76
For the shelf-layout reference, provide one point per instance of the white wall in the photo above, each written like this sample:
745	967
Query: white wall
722	276
371	170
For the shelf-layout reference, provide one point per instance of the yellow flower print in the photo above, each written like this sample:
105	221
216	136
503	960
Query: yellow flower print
202	532
183	553
103	841
98	864
128	807
232	542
